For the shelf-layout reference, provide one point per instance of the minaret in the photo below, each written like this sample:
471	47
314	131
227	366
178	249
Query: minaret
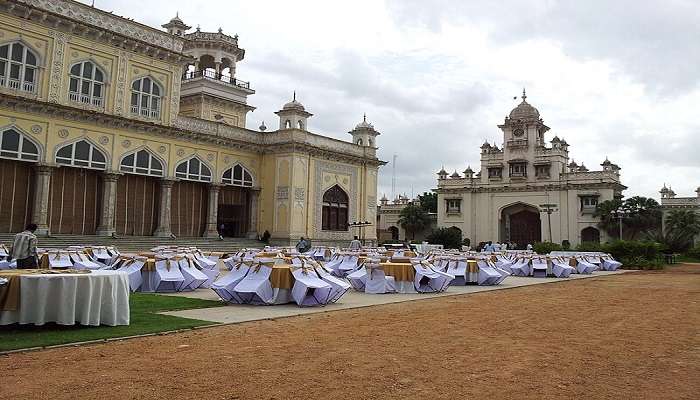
364	134
175	26
293	115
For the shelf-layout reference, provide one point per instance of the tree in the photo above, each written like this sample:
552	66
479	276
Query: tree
681	228
428	202
449	238
642	215
606	212
413	219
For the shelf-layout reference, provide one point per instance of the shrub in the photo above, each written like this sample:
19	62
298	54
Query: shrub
589	246
694	252
546	247
466	242
635	253
565	244
449	238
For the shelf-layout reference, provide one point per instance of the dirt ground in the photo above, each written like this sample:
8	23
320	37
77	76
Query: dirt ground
630	336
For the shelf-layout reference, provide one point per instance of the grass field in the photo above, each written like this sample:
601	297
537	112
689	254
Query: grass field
143	320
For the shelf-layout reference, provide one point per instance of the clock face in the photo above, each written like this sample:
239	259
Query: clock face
518	132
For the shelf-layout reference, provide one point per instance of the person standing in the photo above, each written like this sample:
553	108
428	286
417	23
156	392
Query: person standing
355	244
24	248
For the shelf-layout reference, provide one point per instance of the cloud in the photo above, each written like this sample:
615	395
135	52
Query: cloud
615	79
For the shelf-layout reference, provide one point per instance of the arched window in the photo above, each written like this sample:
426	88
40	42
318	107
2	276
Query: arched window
359	142
237	176
145	98
15	146
86	84
18	67
590	234
300	124
369	142
143	163
335	210
287	124
81	154
193	170
394	232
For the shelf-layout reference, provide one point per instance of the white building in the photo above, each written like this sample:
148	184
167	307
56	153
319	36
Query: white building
670	202
506	199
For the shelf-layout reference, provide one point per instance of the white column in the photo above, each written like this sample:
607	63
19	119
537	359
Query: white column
163	229
109	199
212	212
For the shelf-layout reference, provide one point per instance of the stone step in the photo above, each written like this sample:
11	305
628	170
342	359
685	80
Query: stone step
140	243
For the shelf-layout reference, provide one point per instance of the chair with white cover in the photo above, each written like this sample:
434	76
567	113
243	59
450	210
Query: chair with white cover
4	264
487	274
539	267
81	261
358	279
167	276
224	287
521	267
190	269
377	281
428	280
584	267
350	263
59	259
334	263
101	255
561	268
457	267
256	287
132	267
209	267
309	289
338	286
607	263
504	274
504	264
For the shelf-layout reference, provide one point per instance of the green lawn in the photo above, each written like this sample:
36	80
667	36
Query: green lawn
143	320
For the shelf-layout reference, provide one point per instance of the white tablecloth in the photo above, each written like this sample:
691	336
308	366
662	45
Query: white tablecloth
97	298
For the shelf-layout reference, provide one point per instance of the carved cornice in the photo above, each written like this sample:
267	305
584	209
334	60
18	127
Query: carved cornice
82	20
530	188
206	132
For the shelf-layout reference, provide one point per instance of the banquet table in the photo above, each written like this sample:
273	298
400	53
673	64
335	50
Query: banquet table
66	298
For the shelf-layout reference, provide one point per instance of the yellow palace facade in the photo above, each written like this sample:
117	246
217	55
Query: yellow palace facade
112	127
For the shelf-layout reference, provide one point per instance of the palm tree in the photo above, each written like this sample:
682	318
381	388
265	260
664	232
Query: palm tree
413	219
682	226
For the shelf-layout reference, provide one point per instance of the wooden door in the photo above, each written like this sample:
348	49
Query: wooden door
16	195
137	205
525	228
233	211
74	201
188	211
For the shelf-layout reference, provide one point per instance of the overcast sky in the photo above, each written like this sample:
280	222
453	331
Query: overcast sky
614	78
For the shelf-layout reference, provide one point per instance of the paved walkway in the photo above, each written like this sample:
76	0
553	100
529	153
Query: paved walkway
236	313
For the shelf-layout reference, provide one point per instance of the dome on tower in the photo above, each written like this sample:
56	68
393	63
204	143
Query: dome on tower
293	105
364	124
524	110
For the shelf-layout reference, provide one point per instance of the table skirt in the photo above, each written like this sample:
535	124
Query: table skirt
98	298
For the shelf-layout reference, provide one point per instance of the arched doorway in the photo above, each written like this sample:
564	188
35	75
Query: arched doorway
520	224
394	233
235	202
590	234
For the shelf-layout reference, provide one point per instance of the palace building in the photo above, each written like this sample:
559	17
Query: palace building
527	190
109	126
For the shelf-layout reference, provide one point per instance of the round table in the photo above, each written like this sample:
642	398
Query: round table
37	297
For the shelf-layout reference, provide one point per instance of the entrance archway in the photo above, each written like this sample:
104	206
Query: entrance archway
394	233
590	234
520	224
233	212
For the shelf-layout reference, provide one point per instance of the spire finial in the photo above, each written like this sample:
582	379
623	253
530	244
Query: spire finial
177	14
364	117
524	95
294	96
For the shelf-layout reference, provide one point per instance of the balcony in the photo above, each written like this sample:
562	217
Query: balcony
85	99
16	84
148	113
214	76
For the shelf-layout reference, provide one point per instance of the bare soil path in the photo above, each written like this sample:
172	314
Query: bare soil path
629	336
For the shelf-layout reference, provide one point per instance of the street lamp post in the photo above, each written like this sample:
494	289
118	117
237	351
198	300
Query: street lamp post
360	226
549	208
620	213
